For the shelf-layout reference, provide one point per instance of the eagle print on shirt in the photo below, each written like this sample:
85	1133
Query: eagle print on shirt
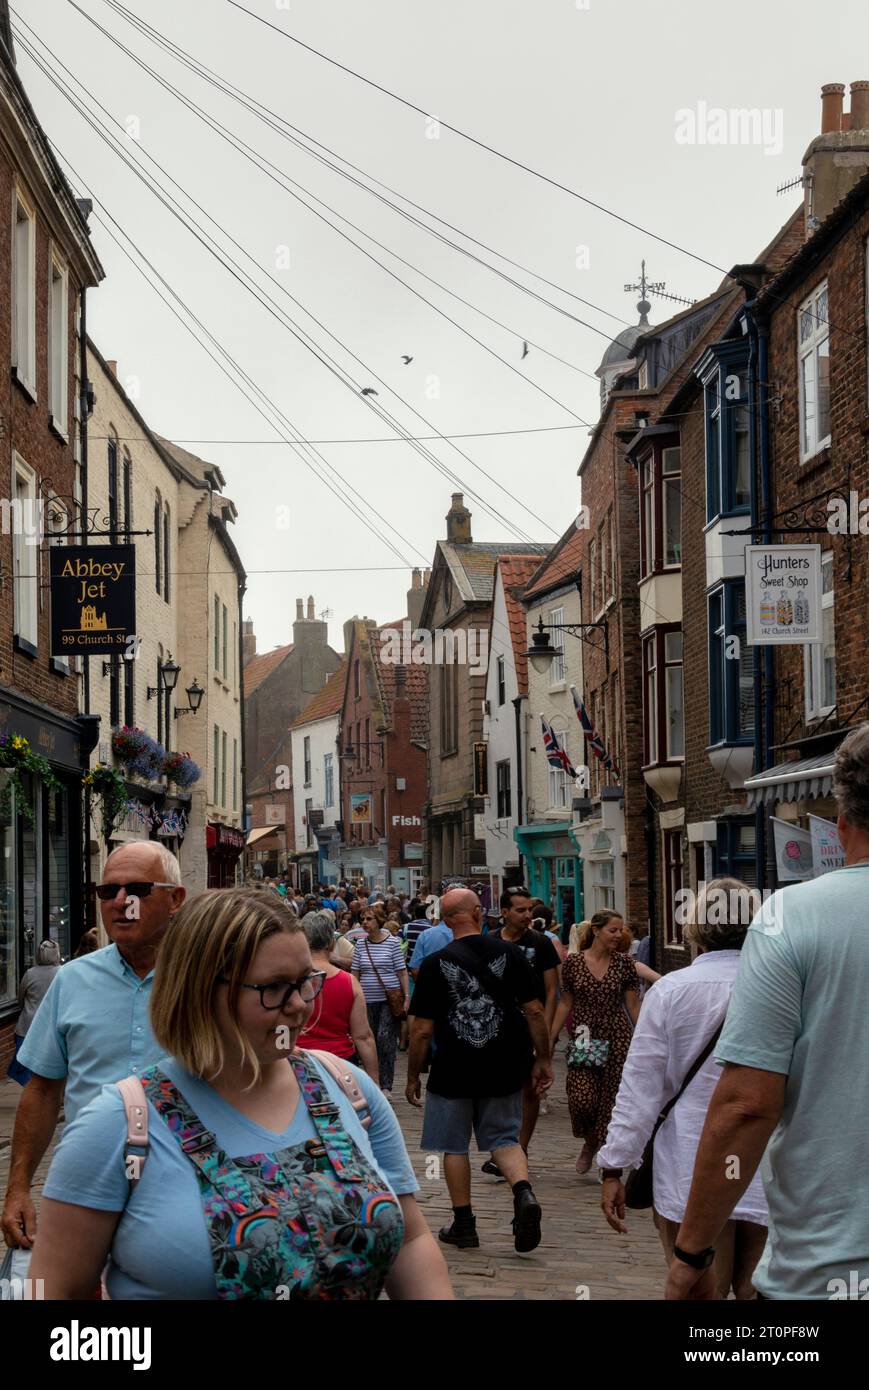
474	1017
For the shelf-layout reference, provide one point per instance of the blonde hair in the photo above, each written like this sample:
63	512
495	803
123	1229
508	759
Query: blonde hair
376	911
576	938
585	932
214	937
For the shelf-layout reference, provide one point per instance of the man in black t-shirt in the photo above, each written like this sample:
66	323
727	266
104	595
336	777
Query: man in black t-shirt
541	955
478	999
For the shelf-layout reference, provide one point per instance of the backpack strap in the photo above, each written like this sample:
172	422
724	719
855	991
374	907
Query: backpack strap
137	1142
346	1080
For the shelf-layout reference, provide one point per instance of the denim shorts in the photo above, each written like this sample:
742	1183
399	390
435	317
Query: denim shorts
448	1121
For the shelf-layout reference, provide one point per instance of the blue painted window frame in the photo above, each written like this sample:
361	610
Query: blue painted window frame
722	361
724	671
729	860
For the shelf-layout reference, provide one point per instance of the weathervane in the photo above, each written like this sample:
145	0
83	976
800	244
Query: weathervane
655	287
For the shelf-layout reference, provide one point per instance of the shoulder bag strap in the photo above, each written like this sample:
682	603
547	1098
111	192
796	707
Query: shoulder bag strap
136	1107
374	967
689	1076
346	1081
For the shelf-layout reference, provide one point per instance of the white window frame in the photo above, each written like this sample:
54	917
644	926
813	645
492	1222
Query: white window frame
813	658
559	785
810	443
25	560
603	884
328	779
58	344
24	288
557	672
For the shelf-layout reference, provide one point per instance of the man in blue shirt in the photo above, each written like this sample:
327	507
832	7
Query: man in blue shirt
92	1027
434	938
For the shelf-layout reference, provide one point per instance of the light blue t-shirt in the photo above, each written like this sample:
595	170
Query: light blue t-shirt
161	1248
431	940
92	1027
799	1007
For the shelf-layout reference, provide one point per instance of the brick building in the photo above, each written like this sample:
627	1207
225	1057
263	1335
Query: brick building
383	738
48	261
459	604
316	749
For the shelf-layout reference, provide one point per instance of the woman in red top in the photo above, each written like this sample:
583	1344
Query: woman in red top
339	1018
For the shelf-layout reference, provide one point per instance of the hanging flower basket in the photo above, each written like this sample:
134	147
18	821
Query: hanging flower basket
181	769
140	753
18	758
129	743
108	785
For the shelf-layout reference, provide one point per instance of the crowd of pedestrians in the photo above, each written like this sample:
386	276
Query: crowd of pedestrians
226	1068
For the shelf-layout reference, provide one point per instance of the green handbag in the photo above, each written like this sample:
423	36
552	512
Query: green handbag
587	1052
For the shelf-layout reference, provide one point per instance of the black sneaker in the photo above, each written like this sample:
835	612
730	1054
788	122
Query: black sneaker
491	1168
526	1221
462	1234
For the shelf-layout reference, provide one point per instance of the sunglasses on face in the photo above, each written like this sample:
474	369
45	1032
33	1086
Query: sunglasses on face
106	891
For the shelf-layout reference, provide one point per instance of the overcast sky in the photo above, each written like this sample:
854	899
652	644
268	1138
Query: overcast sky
586	95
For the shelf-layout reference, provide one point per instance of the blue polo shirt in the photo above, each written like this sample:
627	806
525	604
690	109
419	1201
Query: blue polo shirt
434	938
92	1027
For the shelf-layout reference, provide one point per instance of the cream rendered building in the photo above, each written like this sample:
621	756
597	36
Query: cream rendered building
188	576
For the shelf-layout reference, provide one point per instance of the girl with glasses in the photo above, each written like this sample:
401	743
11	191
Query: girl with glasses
259	1179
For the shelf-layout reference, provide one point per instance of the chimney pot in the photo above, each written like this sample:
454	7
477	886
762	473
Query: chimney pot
311	613
459	521
832	95
300	609
112	364
859	106
416	580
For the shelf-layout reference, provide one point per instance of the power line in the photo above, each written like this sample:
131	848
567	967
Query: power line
384	439
481	144
282	126
262	297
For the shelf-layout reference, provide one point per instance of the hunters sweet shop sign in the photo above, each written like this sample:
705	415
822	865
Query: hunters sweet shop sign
93	598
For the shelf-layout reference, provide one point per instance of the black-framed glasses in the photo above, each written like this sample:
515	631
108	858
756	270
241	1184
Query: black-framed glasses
278	996
106	891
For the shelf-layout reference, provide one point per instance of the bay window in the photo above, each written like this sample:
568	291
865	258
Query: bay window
663	697
660	473
731	667
820	657
723	371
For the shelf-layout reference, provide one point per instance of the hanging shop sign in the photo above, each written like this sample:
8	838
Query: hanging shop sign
93	598
361	808
782	594
481	769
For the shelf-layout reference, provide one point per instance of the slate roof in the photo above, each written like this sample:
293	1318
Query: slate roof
327	702
472	565
516	570
259	667
416	680
560	565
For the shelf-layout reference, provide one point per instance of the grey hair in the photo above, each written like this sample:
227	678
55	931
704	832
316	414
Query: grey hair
851	777
48	953
320	930
170	869
724	910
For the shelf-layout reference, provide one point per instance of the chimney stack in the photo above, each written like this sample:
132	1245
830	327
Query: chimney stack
311	614
248	641
416	596
112	365
839	157
459	521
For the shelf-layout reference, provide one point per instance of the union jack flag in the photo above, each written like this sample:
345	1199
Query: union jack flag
592	737
555	754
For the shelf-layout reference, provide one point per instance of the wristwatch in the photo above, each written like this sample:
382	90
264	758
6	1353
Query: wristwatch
702	1260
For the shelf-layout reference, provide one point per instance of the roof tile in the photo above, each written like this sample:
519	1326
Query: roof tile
327	702
516	570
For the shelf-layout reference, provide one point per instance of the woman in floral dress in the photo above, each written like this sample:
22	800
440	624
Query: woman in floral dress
600	990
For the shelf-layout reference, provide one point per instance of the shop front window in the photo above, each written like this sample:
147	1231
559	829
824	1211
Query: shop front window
57	843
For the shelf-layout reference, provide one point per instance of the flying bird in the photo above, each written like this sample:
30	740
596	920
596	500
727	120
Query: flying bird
368	391
407	361
524	351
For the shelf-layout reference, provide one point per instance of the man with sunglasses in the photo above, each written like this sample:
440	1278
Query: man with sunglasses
92	1027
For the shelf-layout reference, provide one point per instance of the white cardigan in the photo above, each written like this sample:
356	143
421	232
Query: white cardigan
679	1016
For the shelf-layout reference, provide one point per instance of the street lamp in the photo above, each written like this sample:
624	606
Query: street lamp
169	673
541	652
195	696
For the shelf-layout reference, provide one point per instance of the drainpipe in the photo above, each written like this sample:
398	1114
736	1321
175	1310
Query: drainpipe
768	506
84	416
520	790
755	376
242	589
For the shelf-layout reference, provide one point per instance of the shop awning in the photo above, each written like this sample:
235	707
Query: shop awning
794	781
261	833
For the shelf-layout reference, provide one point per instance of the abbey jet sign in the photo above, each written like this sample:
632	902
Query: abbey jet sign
782	594
93	598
